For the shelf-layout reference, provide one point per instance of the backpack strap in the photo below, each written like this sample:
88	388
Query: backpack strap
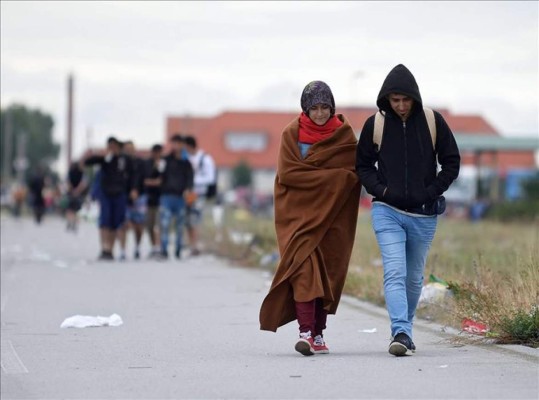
378	133
201	161
431	122
379	120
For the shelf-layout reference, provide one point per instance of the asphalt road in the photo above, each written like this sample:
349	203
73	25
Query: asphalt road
191	331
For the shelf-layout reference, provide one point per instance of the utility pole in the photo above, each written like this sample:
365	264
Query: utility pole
8	147
70	89
355	77
89	137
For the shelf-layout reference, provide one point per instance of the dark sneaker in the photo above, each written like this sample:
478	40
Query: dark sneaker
178	254
106	256
137	255
305	344
401	345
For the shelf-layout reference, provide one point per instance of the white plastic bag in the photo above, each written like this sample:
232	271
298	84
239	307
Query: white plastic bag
83	321
432	293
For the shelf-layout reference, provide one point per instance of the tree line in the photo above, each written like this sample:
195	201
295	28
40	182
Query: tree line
27	132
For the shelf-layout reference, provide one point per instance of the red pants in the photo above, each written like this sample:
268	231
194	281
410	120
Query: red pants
311	316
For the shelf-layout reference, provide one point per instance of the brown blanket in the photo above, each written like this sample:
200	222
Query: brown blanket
316	206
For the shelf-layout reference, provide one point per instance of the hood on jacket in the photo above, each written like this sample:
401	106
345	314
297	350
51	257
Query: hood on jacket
399	80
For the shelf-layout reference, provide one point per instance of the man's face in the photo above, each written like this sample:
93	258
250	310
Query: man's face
177	146
320	113
156	154
401	104
113	147
129	148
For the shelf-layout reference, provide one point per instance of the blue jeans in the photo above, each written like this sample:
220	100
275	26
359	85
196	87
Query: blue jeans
136	213
404	242
171	206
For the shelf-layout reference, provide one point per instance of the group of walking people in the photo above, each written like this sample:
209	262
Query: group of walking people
152	194
321	167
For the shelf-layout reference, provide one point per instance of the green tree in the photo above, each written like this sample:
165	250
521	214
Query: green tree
531	187
40	147
242	175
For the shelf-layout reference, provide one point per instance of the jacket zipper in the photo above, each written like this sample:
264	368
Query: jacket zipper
405	161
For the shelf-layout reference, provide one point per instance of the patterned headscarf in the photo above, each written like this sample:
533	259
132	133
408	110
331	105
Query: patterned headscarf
317	92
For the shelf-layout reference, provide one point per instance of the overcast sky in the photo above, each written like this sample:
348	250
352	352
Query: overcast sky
136	62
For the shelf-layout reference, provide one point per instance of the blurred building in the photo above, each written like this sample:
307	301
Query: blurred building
254	137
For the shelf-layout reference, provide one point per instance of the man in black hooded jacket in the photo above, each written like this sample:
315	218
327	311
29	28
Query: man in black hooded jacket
117	177
400	170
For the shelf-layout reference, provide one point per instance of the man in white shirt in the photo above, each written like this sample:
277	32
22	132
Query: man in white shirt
205	180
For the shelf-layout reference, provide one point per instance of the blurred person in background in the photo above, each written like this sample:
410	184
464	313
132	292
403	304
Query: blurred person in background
18	194
76	187
205	187
117	174
136	207
176	185
316	207
400	172
36	186
152	184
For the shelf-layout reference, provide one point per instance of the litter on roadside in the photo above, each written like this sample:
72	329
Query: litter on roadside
373	330
434	292
471	326
241	237
434	279
84	321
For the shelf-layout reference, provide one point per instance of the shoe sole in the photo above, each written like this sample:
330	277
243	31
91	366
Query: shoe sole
321	351
303	347
398	349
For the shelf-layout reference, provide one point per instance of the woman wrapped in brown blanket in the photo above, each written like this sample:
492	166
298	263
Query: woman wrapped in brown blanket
316	205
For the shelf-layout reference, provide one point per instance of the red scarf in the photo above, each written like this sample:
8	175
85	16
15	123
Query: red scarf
311	133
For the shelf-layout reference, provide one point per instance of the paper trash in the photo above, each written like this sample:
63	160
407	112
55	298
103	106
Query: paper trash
83	321
373	330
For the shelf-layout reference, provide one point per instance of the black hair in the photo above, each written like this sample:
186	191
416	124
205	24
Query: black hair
191	141
156	148
112	139
177	138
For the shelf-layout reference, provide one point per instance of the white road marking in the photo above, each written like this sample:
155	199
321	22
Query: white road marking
3	304
11	363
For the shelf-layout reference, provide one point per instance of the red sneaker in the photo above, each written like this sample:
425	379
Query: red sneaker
305	344
320	346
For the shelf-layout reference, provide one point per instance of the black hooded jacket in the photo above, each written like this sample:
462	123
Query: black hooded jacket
177	176
406	160
117	173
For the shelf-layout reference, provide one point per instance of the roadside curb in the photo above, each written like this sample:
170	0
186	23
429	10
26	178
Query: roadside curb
447	332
